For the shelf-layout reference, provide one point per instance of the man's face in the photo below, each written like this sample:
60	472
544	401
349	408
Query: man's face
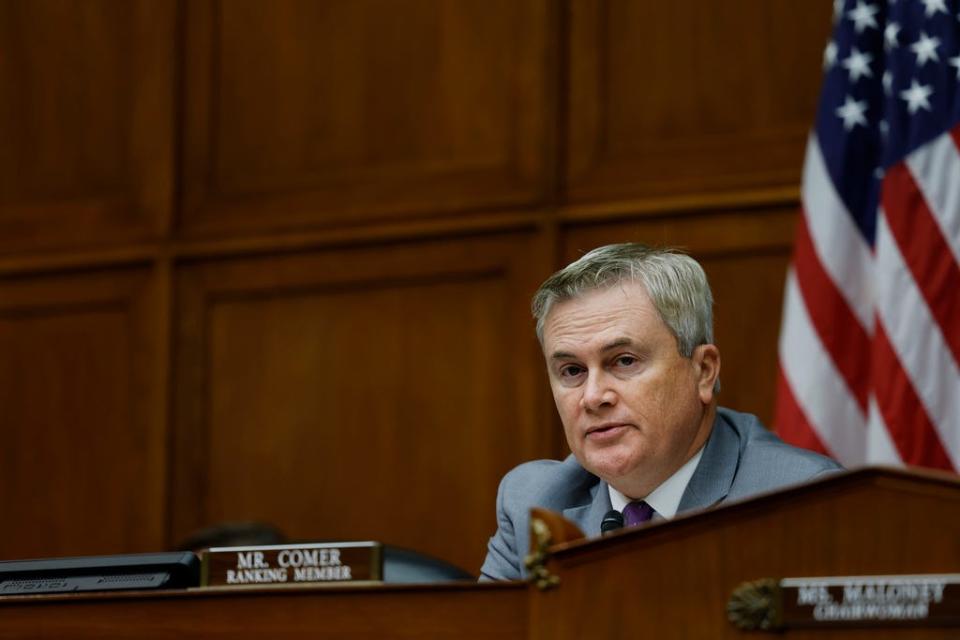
634	410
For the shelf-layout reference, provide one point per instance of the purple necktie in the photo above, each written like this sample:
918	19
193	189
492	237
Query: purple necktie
637	512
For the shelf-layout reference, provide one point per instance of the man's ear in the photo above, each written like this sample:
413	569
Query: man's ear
706	361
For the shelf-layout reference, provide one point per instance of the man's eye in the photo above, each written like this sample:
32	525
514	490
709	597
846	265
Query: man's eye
571	371
626	361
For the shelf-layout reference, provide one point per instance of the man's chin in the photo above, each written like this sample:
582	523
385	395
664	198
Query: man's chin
613	472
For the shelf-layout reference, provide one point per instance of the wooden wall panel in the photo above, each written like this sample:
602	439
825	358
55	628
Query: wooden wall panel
86	130
745	255
302	113
379	382
674	98
82	466
375	392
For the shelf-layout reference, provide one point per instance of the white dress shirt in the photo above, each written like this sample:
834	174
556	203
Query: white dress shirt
665	499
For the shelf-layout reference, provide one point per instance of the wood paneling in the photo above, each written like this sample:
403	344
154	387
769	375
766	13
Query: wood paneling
745	255
86	131
376	392
82	411
303	113
352	201
672	97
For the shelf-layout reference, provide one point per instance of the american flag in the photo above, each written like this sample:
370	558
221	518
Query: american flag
870	342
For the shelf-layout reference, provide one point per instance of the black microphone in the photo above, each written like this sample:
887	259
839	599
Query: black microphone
612	521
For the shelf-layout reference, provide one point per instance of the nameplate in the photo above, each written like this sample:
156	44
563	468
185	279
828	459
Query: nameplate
848	601
292	564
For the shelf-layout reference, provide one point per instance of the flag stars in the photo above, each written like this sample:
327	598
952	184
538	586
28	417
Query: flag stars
955	62
917	96
933	6
837	10
830	55
863	16
890	34
926	49
887	82
853	113
858	64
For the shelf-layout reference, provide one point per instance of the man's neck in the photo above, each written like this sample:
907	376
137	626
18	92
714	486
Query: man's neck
665	498
639	488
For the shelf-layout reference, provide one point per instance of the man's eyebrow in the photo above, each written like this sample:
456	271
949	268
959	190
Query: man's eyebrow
614	344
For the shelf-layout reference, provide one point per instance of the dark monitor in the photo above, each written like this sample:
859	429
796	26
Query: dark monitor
176	570
406	566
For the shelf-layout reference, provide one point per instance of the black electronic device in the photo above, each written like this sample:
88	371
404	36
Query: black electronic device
612	521
175	570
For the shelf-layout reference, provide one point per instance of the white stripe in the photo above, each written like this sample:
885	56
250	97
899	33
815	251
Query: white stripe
936	168
841	248
880	447
918	340
817	386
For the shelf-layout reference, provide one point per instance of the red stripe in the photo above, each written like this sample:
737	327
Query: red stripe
925	251
791	422
840	331
955	134
910	427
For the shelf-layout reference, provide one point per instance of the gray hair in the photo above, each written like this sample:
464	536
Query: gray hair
674	281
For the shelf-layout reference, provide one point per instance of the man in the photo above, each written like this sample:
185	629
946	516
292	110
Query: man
627	334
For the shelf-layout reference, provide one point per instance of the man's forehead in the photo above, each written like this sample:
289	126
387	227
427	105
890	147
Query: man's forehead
601	320
622	300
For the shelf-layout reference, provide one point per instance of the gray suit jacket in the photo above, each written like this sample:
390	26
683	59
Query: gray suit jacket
741	458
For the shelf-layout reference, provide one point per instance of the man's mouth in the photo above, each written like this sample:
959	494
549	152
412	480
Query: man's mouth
606	431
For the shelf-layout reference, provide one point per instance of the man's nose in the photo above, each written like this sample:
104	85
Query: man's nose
597	392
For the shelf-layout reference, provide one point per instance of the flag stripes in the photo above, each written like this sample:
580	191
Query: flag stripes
791	422
936	169
870	340
918	343
903	414
816	385
924	250
833	320
840	247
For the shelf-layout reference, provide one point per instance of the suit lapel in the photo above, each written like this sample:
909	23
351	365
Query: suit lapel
711	481
589	516
709	485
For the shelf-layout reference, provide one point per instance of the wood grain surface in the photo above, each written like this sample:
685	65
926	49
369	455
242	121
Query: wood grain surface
273	260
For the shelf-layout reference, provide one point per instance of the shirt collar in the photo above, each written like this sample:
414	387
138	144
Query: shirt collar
665	499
